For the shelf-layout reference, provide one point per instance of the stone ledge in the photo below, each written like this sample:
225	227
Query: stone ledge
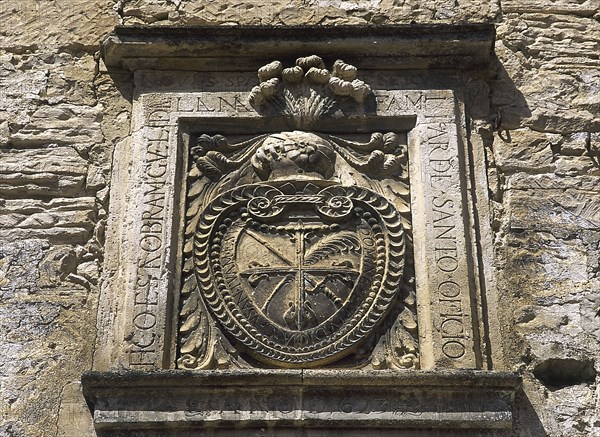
242	48
169	400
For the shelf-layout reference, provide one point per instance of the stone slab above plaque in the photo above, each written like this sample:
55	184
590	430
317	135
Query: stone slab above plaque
386	47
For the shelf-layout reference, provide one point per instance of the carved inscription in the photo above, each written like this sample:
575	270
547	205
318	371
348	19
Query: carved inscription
399	102
448	248
355	406
412	102
150	262
199	81
452	326
254	405
447	262
164	108
340	406
210	103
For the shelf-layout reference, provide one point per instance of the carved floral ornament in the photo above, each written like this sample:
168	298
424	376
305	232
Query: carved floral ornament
291	259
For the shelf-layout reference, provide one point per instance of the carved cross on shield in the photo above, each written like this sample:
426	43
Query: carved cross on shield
303	277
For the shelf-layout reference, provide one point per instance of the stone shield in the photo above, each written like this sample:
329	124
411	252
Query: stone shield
299	276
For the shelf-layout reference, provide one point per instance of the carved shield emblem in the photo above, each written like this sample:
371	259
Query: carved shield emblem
299	275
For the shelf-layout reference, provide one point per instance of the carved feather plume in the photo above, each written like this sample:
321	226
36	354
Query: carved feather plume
341	242
306	91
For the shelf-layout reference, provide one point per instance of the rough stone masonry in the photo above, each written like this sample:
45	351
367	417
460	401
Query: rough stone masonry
62	114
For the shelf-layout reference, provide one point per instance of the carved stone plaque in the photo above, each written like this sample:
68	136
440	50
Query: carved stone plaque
258	218
303	250
297	258
299	273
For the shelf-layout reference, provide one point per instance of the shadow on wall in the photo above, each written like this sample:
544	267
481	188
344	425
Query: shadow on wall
508	106
120	79
509	110
527	421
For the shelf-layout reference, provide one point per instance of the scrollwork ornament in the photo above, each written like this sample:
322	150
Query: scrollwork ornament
335	205
265	207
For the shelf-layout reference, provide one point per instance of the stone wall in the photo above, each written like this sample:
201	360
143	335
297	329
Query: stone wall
61	114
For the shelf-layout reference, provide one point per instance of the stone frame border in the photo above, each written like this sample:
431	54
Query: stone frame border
137	314
149	249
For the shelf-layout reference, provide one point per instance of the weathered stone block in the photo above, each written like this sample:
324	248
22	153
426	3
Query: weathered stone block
18	266
522	150
73	417
46	342
61	124
55	171
60	160
564	47
71	80
547	266
585	8
297	12
72	24
525	181
20	88
553	210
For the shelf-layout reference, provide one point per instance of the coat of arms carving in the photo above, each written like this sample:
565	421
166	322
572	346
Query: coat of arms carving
298	250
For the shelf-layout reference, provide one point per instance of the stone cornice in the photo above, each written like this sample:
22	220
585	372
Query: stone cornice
174	401
241	48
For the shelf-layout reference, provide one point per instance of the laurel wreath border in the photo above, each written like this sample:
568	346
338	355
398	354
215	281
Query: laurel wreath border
366	319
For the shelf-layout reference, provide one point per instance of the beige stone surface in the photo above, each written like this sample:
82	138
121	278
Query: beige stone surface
52	158
72	25
561	48
60	220
584	8
61	114
298	12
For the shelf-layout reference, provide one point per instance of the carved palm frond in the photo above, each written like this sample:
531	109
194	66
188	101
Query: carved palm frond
342	242
194	328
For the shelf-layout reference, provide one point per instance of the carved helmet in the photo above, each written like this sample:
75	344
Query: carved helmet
294	155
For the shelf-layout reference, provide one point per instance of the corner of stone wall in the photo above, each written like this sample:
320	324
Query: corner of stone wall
545	176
